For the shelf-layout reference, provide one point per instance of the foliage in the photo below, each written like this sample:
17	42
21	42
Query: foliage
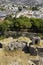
12	24
37	24
20	8
34	8
24	22
2	9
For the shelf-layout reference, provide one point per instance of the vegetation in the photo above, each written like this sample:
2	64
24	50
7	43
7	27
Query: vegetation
2	9
21	23
37	24
34	8
20	8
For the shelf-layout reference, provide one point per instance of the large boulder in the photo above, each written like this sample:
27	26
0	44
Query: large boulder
33	50
19	45
11	46
16	45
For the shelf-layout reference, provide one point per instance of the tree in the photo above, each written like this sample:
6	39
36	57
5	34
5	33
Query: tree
24	22
9	17
20	8
37	24
34	8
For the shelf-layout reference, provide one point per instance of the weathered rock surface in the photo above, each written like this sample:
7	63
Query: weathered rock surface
16	45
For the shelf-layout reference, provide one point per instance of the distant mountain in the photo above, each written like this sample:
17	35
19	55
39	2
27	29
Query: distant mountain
26	2
23	1
40	1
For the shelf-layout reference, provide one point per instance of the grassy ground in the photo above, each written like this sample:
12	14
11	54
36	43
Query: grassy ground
14	57
11	58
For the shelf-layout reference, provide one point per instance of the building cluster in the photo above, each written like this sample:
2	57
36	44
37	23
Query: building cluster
30	14
11	8
8	9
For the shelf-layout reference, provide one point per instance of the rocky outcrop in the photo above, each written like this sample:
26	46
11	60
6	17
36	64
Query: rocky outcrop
16	45
33	50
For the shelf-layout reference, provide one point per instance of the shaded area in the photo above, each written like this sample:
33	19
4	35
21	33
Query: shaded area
0	45
26	49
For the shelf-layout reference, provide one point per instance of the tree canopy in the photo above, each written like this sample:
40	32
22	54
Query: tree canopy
12	24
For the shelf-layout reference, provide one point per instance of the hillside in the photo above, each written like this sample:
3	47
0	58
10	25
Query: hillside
15	58
26	2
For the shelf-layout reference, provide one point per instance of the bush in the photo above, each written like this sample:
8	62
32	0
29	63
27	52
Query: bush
22	23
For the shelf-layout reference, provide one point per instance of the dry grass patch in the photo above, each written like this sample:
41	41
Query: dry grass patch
12	58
